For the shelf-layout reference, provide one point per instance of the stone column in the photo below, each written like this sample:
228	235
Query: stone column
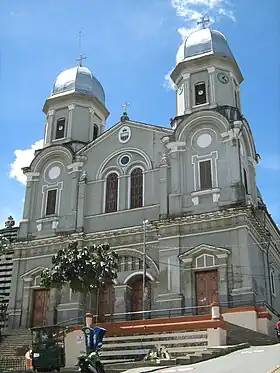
49	127
212	93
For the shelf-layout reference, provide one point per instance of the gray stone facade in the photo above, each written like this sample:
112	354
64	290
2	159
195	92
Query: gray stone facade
198	193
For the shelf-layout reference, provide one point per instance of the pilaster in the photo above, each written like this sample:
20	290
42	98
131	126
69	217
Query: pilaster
122	302
211	72
187	93
71	108
163	186
49	127
175	159
169	293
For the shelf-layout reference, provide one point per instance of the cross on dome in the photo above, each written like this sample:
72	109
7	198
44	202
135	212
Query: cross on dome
80	59
203	21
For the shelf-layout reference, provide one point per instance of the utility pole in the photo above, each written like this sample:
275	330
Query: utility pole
145	222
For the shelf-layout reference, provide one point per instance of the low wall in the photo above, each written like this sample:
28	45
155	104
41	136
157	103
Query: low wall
255	318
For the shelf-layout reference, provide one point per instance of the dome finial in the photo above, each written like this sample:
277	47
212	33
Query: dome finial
203	21
81	57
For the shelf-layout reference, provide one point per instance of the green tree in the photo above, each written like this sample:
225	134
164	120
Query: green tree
4	245
85	269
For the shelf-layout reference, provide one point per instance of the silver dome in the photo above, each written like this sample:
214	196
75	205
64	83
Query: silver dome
205	41
79	79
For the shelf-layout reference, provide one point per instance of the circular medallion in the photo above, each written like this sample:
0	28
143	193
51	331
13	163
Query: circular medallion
204	140
124	134
54	172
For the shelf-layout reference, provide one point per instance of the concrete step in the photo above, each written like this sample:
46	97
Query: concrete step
135	348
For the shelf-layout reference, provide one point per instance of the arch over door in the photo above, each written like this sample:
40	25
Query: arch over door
106	302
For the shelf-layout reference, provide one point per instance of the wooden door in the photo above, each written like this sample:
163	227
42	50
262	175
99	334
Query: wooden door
41	299
106	302
137	298
207	289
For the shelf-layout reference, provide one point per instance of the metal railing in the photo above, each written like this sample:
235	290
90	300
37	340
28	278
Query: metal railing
12	364
157	313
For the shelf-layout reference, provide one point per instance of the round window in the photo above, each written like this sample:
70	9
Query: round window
124	160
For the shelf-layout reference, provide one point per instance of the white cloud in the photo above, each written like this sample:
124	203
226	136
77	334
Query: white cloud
23	158
168	82
191	11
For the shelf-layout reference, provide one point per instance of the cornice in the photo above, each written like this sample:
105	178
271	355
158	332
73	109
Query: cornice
134	235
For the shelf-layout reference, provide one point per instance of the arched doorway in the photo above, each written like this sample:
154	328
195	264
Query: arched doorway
106	302
136	303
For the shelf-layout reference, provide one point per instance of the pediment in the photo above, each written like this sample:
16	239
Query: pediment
189	255
116	127
32	273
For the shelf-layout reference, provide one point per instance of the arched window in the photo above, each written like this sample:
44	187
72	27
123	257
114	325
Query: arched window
95	132
136	188
60	128
111	203
205	260
200	93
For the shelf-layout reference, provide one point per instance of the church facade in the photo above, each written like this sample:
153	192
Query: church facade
185	196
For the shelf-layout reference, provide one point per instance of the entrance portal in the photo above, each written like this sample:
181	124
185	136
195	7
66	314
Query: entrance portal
207	289
41	298
136	285
106	302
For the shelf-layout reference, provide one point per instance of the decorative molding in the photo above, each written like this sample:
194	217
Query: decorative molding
32	176
75	167
71	107
176	146
188	256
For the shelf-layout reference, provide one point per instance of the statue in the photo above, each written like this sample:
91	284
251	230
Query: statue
10	222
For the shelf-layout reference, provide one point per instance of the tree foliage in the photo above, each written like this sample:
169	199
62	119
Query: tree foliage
84	268
4	245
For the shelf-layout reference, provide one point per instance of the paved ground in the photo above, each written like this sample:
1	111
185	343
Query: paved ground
251	360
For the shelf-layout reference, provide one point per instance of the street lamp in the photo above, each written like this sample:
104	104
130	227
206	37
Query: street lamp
145	222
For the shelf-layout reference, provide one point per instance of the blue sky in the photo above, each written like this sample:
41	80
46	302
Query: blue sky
130	46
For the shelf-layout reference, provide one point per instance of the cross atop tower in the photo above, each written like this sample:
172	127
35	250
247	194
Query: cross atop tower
124	116
125	106
203	21
80	59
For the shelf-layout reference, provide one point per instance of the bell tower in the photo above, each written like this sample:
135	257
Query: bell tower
206	73
75	111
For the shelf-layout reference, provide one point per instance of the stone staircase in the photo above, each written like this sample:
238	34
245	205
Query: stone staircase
134	348
238	334
15	344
